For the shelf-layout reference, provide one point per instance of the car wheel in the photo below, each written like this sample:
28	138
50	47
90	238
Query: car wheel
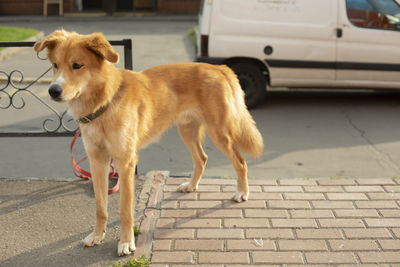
252	81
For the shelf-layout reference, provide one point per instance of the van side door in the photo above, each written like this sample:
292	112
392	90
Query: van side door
296	39
368	52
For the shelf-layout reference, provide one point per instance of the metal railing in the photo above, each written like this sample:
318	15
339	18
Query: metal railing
11	95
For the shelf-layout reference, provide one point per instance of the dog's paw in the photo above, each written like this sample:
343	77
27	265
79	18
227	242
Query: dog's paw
126	248
93	239
187	187
240	196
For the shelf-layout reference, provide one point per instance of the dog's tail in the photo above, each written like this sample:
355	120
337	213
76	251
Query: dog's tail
248	138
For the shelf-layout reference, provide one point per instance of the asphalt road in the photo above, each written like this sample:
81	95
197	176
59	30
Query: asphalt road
307	134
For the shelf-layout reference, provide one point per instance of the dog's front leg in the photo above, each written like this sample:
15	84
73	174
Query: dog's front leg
99	166
126	168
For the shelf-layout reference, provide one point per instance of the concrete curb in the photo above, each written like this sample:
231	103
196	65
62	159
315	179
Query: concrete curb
151	213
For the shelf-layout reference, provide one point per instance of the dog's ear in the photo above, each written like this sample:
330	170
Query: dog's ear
51	40
99	45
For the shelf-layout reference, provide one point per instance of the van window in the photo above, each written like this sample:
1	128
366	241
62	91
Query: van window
375	14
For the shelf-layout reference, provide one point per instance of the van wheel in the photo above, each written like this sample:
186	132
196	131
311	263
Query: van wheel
252	81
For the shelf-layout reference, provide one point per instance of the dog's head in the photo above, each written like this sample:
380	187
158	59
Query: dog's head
77	62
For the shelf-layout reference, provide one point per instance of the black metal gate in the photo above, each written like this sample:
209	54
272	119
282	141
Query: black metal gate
13	87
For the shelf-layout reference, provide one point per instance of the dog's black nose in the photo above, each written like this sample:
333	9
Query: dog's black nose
55	91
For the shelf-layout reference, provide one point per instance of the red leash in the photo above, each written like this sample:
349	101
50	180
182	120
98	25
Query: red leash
86	175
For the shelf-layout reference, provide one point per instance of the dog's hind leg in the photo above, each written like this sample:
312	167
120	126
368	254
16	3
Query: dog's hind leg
99	165
226	144
192	135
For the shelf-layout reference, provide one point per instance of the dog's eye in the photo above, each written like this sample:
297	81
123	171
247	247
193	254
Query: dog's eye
55	65
76	66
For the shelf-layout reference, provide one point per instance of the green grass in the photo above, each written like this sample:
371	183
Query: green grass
136	230
141	262
13	34
192	35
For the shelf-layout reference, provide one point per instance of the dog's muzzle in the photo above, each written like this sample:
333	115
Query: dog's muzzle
55	92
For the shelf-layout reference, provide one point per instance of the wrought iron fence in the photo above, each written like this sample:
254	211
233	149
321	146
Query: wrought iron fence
11	95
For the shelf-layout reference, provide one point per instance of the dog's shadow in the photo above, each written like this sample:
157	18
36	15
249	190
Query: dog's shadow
69	252
36	194
48	220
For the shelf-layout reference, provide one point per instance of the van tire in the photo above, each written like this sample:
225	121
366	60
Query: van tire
252	81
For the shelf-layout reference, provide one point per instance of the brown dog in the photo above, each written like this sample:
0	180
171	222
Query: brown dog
121	111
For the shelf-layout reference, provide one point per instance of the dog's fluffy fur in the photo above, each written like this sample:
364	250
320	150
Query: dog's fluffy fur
141	106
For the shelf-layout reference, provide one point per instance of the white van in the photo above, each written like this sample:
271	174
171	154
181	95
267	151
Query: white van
303	43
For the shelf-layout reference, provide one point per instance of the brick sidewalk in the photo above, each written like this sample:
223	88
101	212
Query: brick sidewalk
285	222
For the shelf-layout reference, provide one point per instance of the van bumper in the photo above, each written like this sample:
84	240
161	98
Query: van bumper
211	60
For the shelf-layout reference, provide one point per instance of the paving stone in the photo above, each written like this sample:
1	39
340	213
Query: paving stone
323	189
277	257
311	213
288	204
367	233
347	196
165	223
376	204
340	223
254	204
294	223
297	181
246	223
233	188
392	188
383	222
390	213
286	222
282	188
224	257
380	257
178	213
195	245
161	245
173	233
218	181
363	188
330	257
179	196
396	232
319	233
304	196
387	244
302	245
356	213
250	244
220	233
198	223
270	233
376	181
262	181
353	245
327	204
384	196
336	182
267	213
172	257
200	204
219	213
